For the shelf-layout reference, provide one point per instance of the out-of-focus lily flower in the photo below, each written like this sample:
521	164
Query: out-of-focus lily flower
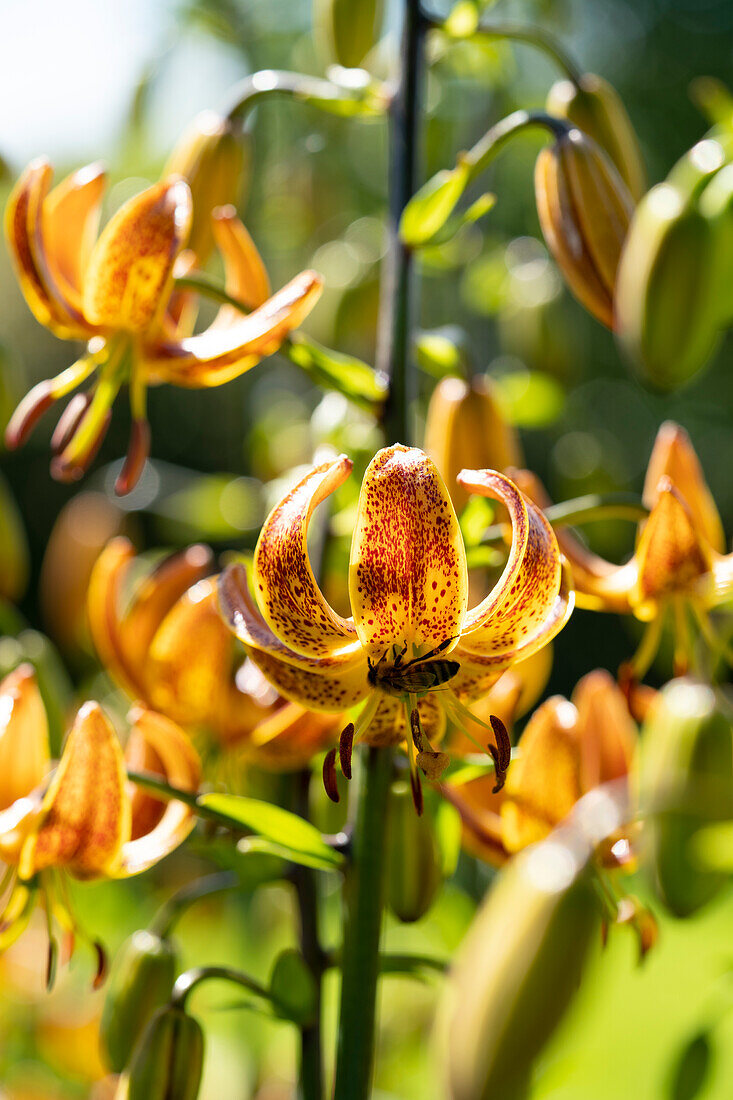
678	561
413	651
166	644
83	819
567	749
117	293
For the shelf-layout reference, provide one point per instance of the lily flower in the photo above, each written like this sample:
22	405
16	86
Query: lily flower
84	819
116	292
412	652
567	749
679	560
163	641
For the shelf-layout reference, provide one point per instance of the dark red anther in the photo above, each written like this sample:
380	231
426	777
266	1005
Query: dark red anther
62	470
69	421
51	963
416	729
28	413
501	752
102	966
417	798
137	456
346	746
329	776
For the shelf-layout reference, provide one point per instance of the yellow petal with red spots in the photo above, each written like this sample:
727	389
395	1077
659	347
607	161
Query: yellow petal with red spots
245	275
673	456
24	232
670	555
408	581
130	270
543	783
85	815
606	732
220	354
24	751
528	604
288	596
70	224
181	767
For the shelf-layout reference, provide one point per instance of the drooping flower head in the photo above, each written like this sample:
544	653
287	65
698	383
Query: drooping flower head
116	291
679	561
82	819
412	652
160	636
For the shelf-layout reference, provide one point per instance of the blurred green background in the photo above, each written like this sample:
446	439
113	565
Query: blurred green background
92	79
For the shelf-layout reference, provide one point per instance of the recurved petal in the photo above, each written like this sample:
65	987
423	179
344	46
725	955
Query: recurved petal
480	810
24	751
129	274
85	814
606	732
220	354
543	783
673	456
670	555
408	581
70	224
181	767
245	275
24	226
104	613
291	737
288	596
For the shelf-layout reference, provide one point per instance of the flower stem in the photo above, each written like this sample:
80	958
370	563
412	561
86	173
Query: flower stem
188	981
360	97
168	915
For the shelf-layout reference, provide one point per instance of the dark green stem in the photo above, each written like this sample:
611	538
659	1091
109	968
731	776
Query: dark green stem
188	981
367	97
167	916
483	152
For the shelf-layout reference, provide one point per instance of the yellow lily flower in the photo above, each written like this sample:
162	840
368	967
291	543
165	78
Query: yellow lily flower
567	749
83	819
167	645
412	652
116	292
679	560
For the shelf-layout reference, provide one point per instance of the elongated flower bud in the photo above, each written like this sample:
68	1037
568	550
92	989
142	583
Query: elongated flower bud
214	158
167	1061
414	874
584	209
347	29
466	431
517	971
141	982
595	107
685	783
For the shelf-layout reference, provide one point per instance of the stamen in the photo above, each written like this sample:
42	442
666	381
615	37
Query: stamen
329	776
433	764
135	459
648	646
416	788
416	729
346	745
64	468
69	421
102	965
28	413
501	752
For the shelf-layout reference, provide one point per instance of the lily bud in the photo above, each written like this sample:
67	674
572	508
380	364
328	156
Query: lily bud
167	1062
517	970
685	783
214	159
465	430
595	107
584	209
141	982
414	873
348	29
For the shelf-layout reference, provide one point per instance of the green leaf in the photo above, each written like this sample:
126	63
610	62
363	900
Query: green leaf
475	211
474	519
693	1069
448	830
529	399
429	209
260	845
333	371
413	966
289	831
442	351
293	989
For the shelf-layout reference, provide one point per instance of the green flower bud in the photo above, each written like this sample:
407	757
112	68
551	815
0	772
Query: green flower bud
596	108
214	157
685	783
167	1062
413	859
347	29
141	981
517	971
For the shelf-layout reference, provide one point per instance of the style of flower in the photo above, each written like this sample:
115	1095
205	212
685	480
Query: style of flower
567	749
163	641
679	560
116	292
83	819
413	652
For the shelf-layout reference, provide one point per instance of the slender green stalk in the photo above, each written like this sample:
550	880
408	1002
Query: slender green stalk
486	148
587	509
188	981
360	96
168	915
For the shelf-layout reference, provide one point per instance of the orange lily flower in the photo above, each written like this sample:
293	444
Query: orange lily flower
679	559
117	293
84	819
566	750
168	646
413	651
